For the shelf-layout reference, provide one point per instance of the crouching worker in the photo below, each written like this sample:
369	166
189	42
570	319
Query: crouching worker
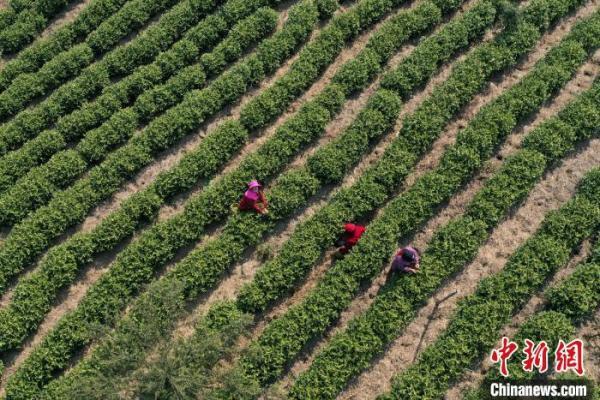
406	261
352	233
254	199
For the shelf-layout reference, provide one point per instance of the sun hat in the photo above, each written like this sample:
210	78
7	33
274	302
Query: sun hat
253	184
251	194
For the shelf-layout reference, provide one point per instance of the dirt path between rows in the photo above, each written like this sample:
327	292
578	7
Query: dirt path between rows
582	81
589	332
61	19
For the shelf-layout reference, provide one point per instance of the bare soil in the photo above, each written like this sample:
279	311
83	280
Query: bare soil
64	17
589	332
582	81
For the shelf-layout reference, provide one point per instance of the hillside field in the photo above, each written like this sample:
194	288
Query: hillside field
131	129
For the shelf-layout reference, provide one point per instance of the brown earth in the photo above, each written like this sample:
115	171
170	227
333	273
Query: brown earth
590	334
64	17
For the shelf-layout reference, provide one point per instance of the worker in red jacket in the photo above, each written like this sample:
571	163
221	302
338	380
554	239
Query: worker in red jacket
254	199
352	233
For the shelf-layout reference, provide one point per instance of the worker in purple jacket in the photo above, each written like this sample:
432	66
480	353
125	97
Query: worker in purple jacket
406	261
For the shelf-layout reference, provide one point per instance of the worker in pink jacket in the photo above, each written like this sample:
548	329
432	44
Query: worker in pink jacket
254	199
